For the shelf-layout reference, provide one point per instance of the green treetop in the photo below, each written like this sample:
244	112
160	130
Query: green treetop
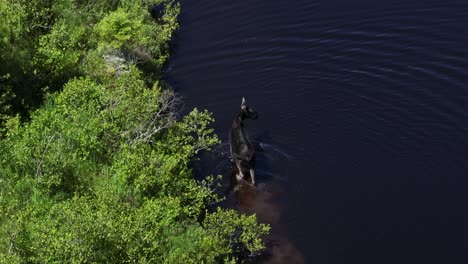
100	172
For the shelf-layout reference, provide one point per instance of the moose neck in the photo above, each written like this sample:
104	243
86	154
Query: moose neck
239	123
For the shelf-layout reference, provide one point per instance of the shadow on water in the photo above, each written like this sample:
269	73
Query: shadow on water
265	199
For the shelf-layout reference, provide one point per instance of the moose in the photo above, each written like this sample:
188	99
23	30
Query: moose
242	149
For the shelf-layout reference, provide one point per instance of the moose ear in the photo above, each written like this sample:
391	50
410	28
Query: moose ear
243	105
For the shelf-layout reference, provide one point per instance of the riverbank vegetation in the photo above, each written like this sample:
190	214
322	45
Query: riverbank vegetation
94	155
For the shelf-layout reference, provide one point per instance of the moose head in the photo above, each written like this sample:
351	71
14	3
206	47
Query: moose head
247	112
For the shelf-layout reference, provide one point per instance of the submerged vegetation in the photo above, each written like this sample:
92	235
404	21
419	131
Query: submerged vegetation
94	156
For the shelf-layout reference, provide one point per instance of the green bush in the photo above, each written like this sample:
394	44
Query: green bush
100	173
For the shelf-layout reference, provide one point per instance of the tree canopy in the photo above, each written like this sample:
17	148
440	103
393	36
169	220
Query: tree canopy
94	154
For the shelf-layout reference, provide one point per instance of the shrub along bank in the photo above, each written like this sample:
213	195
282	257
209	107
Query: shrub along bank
94	158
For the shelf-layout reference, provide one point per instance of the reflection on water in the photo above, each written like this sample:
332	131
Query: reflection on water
259	201
253	200
264	201
283	251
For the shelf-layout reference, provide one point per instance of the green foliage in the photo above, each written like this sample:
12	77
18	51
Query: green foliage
15	56
60	51
79	183
60	147
6	96
240	234
10	28
82	230
45	43
118	29
193	131
100	173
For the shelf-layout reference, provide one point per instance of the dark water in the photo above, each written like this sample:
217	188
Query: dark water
363	121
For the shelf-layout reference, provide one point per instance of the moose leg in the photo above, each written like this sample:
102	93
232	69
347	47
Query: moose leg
252	169
230	151
240	175
252	175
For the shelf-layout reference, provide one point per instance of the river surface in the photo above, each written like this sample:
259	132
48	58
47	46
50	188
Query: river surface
362	136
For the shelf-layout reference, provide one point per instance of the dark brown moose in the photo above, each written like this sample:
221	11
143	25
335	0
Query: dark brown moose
242	149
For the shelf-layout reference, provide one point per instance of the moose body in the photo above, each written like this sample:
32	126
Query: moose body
242	149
